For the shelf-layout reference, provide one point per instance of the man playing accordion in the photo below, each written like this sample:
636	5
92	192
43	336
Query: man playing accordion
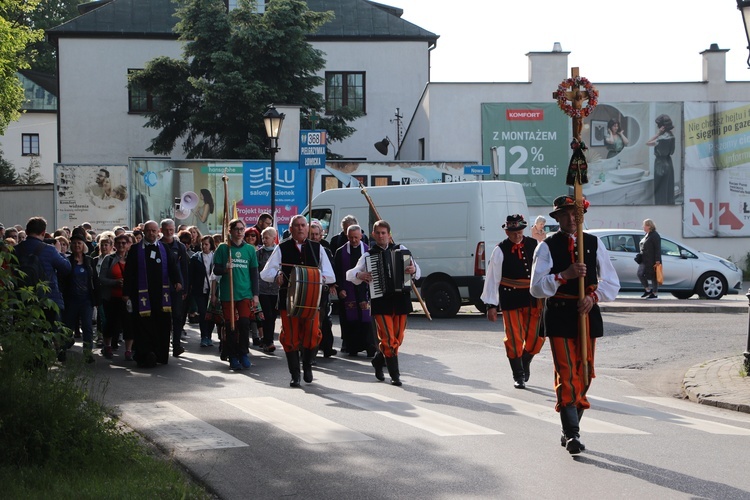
391	309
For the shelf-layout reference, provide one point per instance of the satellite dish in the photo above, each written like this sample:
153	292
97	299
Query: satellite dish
189	200
182	213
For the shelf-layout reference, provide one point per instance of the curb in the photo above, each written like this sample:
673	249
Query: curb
718	383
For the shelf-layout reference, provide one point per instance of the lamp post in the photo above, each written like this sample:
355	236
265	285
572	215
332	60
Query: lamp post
273	120
744	7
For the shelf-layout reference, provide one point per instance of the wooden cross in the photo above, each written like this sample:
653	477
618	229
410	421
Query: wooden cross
313	119
576	96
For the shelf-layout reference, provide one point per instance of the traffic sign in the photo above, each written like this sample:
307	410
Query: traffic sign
477	169
312	149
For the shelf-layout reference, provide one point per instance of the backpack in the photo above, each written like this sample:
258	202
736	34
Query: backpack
31	266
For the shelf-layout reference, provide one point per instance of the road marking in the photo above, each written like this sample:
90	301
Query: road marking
176	428
668	417
685	405
415	416
299	422
546	413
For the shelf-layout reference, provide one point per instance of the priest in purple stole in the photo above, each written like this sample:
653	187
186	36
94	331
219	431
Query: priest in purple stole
149	272
354	303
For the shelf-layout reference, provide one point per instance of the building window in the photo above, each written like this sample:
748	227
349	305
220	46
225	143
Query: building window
139	101
345	90
30	144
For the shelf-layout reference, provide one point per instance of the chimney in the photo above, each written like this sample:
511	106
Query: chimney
715	64
548	66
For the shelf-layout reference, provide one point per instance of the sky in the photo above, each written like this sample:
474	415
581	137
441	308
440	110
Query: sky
610	41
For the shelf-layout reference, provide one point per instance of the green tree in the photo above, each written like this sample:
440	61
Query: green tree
31	174
15	36
48	14
8	173
235	64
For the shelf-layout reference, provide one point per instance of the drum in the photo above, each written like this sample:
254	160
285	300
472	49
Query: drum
303	295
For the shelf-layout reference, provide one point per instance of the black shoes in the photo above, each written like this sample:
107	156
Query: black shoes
516	366
574	446
328	354
292	360
378	361
526	361
564	442
177	351
392	365
645	294
307	358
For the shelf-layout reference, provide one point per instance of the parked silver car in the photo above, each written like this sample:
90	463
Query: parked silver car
686	271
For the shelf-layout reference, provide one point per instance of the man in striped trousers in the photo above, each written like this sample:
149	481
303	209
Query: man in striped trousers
555	276
506	285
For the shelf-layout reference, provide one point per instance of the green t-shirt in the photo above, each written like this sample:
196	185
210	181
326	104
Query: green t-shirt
243	259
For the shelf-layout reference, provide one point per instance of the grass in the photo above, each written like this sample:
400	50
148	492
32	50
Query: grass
59	442
132	471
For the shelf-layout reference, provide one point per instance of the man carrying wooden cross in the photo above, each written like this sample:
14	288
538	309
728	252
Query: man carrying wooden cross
554	276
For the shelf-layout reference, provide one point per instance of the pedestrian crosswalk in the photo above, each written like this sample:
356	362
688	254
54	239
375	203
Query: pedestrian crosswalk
413	415
298	422
175	428
172	426
546	413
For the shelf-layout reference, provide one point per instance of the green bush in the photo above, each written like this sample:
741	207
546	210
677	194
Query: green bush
56	437
46	414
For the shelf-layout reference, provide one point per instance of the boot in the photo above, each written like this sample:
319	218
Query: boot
564	439
516	365
526	358
571	429
378	362
392	364
307	357
292	360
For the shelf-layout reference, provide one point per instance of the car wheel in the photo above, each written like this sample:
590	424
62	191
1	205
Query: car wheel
442	300
683	295
711	286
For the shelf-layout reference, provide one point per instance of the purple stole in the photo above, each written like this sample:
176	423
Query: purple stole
144	303
351	306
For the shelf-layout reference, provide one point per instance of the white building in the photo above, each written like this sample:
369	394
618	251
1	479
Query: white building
33	137
448	124
377	60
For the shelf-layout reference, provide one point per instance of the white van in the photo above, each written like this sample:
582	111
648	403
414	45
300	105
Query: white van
447	228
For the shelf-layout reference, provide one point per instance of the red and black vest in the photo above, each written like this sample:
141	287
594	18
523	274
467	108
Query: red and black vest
561	311
515	268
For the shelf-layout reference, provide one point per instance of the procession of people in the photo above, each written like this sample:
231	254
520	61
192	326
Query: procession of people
147	286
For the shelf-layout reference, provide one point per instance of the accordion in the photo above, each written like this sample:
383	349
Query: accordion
387	269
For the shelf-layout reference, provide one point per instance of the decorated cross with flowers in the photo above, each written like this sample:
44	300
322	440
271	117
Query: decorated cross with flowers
571	94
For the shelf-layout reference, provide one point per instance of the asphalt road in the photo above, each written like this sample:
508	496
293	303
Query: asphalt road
457	428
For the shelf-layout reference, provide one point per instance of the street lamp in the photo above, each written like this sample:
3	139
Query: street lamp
273	121
744	6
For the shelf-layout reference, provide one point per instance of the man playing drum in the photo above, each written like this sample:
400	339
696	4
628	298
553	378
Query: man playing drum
299	332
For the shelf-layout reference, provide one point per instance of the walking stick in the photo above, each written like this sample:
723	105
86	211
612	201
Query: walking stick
228	241
570	90
413	285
